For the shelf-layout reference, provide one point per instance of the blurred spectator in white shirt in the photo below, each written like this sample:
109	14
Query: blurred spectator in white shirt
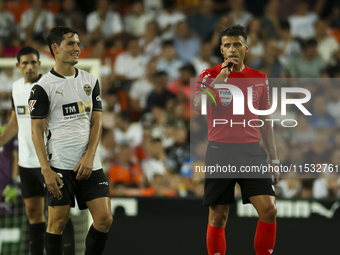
302	22
205	58
151	43
168	19
155	163
126	132
104	23
36	20
289	48
130	65
7	23
186	46
141	89
255	41
168	61
238	13
328	47
135	23
7	77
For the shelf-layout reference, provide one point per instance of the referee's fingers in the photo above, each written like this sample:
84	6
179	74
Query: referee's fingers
79	173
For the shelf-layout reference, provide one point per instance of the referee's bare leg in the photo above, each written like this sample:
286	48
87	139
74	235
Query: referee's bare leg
218	216
265	235
100	209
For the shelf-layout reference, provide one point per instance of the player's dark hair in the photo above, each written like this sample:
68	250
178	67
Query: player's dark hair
235	30
168	4
168	43
309	43
27	50
284	24
56	35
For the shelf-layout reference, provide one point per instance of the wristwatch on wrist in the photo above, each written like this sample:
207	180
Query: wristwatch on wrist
275	161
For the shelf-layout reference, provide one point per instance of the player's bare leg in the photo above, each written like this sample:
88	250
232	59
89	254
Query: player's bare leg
218	216
57	219
35	213
100	209
266	228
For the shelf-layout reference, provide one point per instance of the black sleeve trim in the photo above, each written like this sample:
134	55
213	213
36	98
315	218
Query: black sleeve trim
96	99
38	103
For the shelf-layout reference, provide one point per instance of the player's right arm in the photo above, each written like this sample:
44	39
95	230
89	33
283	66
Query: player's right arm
39	105
10	131
226	70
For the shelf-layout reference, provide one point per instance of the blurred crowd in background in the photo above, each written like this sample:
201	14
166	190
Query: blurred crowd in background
149	50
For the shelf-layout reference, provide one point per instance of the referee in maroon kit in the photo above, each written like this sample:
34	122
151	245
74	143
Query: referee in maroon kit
238	145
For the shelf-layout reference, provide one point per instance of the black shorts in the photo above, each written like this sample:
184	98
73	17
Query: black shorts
32	182
86	190
219	188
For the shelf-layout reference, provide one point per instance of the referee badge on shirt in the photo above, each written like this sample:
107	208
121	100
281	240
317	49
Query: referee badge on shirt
87	89
226	96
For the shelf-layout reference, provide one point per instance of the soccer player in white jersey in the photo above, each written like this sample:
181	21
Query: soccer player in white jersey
66	105
32	181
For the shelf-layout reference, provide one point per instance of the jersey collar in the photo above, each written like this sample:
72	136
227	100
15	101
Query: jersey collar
60	76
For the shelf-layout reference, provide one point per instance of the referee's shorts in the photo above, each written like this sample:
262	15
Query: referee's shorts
220	186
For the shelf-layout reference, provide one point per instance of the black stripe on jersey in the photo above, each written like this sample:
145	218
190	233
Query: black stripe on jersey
60	76
96	99
13	107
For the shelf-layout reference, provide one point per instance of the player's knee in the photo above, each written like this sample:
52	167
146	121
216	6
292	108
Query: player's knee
219	219
269	212
34	213
104	220
58	225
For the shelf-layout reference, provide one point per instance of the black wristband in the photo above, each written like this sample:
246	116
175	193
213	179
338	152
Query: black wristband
223	67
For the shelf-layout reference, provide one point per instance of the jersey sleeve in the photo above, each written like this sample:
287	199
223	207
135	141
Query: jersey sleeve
96	99
38	103
265	102
204	79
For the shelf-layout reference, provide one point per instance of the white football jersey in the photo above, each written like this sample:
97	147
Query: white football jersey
20	95
67	104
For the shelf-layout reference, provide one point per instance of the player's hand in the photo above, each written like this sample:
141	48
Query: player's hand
84	168
227	66
52	179
276	175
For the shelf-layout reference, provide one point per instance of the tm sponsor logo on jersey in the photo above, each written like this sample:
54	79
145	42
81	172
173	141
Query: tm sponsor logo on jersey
22	110
76	110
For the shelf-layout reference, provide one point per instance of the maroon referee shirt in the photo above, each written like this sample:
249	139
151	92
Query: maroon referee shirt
236	133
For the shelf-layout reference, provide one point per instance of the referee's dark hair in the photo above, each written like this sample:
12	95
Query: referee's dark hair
235	30
56	35
27	50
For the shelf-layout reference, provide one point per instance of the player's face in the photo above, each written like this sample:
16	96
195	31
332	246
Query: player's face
68	51
234	47
29	67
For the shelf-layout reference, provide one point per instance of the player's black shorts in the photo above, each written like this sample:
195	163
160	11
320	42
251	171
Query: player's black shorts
32	182
86	190
220	190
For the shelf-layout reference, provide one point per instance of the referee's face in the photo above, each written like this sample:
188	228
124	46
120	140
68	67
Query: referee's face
68	51
234	47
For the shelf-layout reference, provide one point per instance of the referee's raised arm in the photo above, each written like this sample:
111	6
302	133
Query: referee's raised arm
226	70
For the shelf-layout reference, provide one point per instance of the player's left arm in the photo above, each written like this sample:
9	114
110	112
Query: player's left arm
85	165
267	130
